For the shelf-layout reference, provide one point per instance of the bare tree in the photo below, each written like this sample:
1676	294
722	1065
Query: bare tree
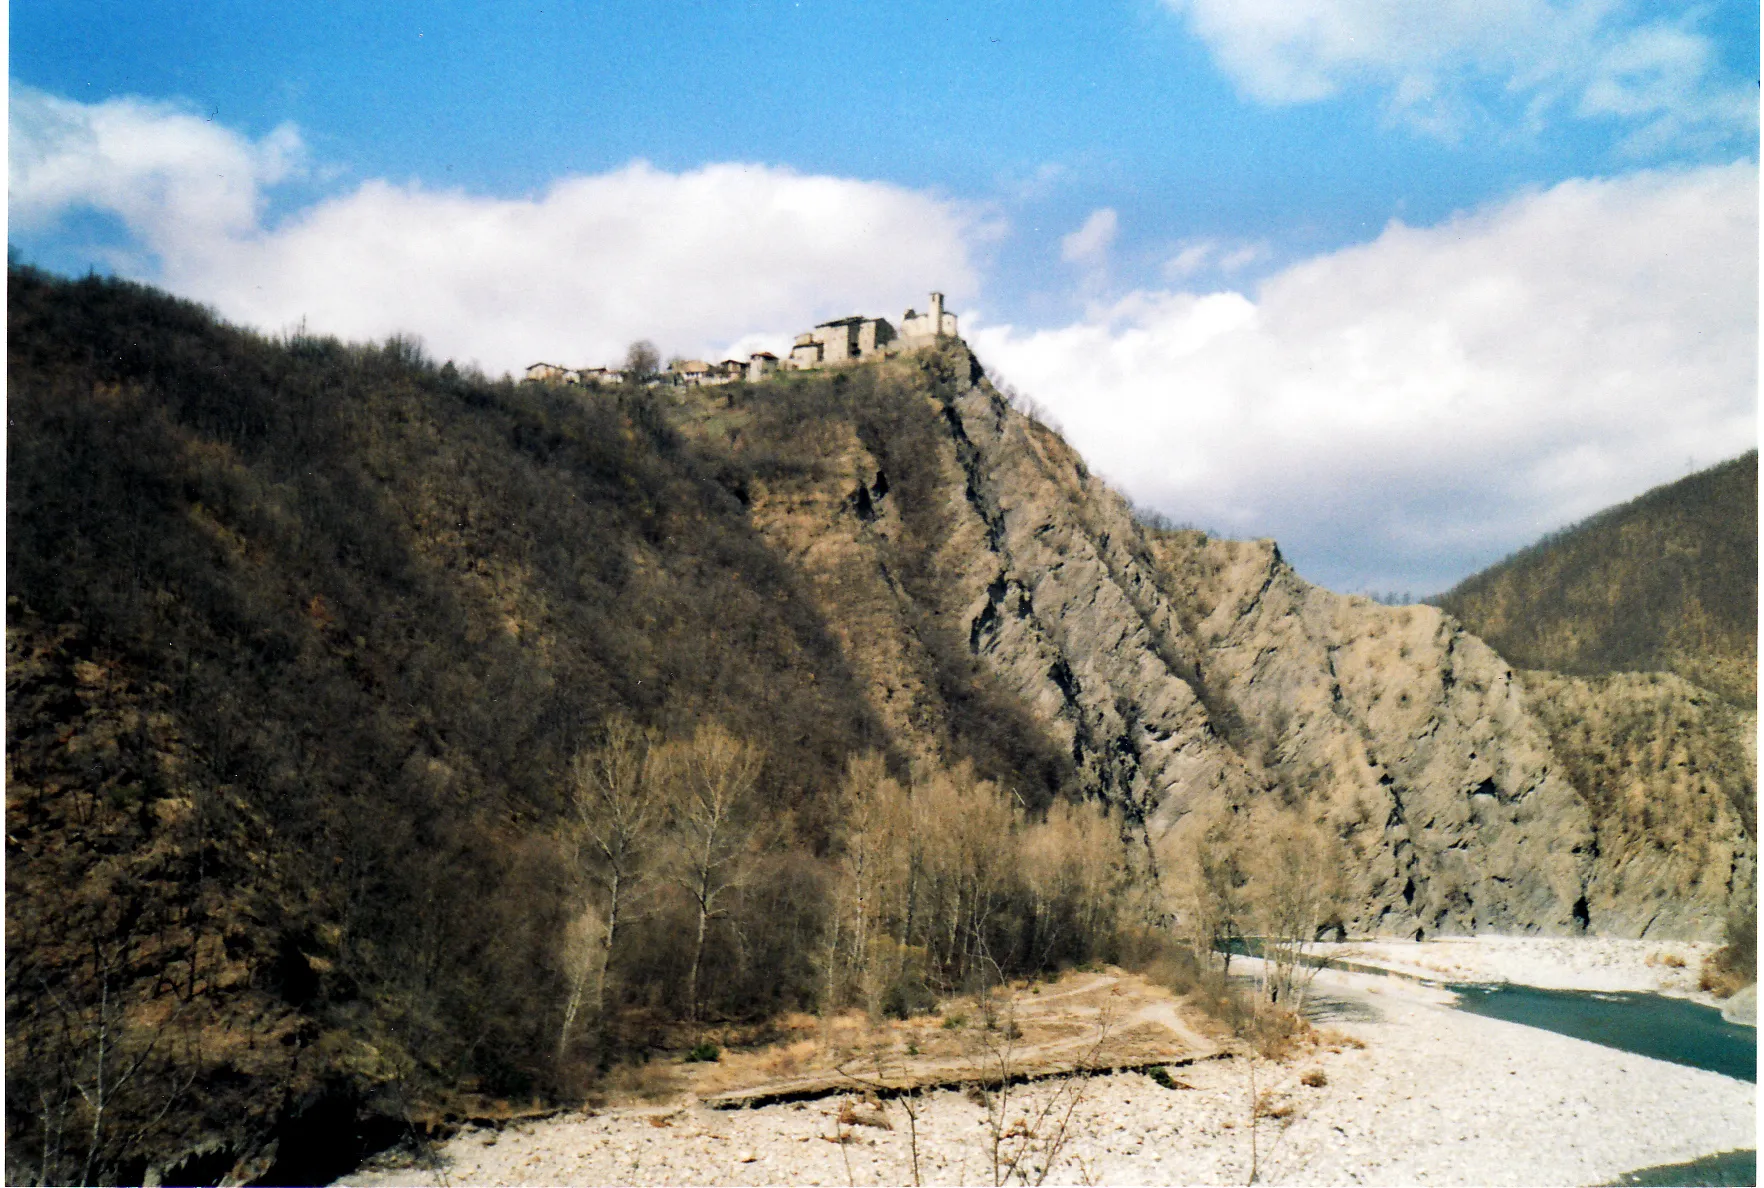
124	1081
1075	870
882	1059
1295	878
617	817
1029	1146
642	361
874	877
1206	888
711	781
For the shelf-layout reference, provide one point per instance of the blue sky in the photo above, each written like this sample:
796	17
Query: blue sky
1094	185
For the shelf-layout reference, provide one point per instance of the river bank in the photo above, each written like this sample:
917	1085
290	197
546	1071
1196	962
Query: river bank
1435	1096
1604	964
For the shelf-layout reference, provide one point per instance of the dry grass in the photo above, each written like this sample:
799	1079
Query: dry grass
1049	1027
1336	1040
1723	982
1270	1104
651	1081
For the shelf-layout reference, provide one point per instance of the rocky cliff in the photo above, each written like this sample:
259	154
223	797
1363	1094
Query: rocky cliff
1179	673
1667	772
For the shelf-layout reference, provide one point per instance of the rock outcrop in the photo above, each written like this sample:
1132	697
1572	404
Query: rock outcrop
1667	772
1180	673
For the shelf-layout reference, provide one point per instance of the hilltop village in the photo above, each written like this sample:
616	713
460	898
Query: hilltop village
841	341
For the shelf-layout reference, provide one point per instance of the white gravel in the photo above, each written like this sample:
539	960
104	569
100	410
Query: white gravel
1604	964
1437	1096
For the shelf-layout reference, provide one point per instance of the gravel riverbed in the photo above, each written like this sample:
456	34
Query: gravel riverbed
1435	1096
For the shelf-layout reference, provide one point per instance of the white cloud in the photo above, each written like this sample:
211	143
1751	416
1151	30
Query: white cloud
1196	256
692	260
1591	58
1089	245
1190	259
1403	411
180	182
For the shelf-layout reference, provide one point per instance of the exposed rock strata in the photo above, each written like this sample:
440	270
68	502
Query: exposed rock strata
1181	673
1667	772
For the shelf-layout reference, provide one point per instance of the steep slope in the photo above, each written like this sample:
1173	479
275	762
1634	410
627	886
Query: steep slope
1667	582
1406	734
1182	675
1177	673
1668	773
302	639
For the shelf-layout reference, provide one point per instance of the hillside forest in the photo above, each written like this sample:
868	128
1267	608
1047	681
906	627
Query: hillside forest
1667	582
388	744
381	736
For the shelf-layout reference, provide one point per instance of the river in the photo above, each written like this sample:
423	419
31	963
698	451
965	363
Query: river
1649	1025
1672	1029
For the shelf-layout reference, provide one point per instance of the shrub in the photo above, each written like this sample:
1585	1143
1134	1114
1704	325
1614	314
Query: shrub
1735	964
1161	1076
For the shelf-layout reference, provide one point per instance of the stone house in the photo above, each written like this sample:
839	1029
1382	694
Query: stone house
854	339
930	324
691	372
551	373
830	344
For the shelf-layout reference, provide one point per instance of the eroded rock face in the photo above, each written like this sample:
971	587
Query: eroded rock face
1668	774
1409	736
1182	673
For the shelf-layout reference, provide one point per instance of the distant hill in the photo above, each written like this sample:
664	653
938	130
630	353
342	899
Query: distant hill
1667	582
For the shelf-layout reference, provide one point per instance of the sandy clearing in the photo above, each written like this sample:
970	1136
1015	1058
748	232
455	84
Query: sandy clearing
1437	1096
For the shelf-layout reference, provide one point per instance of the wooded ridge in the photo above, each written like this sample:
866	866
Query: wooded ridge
386	741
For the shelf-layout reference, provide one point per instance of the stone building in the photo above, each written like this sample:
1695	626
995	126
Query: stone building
551	373
840	341
855	339
691	372
545	373
929	325
843	340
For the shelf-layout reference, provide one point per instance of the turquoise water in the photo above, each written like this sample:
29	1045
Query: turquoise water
1646	1024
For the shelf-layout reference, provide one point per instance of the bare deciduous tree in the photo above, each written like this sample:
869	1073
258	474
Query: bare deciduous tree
711	780
1206	886
617	816
1295	869
642	361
